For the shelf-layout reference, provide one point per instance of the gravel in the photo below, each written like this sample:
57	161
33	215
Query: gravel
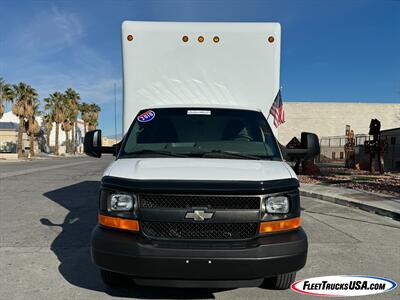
388	184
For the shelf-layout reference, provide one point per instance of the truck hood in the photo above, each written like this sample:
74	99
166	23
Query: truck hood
199	169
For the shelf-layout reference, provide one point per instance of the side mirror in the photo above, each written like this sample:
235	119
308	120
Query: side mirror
308	148
92	145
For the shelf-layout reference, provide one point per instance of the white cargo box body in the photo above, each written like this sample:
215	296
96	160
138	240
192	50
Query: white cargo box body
162	70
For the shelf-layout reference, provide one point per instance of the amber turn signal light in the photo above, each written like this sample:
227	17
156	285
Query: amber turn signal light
119	223
271	39
281	225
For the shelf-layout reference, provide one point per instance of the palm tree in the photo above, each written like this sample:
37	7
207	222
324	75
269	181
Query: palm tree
73	98
48	125
94	110
55	104
6	94
32	126
67	126
84	109
24	97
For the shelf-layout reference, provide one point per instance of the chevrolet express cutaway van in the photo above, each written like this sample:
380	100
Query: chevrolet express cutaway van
199	194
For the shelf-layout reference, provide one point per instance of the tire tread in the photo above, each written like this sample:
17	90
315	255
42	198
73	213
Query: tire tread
280	282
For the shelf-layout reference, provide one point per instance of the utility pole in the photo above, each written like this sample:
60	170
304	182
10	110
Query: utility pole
115	111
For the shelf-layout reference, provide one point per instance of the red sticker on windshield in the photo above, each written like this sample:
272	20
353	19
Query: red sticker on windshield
146	116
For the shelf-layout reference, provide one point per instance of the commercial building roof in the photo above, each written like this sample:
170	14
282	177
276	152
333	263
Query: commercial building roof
390	130
8	126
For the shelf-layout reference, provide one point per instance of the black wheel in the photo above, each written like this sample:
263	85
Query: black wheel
280	282
115	279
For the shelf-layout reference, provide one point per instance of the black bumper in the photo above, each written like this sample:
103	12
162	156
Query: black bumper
135	255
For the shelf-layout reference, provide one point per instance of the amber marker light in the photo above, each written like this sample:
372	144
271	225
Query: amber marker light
271	39
281	225
130	37
200	39
216	39
119	223
185	38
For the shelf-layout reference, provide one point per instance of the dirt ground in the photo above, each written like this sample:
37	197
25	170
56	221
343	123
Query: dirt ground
388	184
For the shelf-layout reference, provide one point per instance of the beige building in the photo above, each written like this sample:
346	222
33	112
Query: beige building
328	119
9	117
8	140
108	142
8	137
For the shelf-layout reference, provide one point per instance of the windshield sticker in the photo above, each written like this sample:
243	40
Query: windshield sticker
146	116
199	112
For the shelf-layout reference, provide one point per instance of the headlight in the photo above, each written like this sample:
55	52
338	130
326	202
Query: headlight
121	202
275	205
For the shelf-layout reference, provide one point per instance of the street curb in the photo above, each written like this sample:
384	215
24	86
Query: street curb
349	203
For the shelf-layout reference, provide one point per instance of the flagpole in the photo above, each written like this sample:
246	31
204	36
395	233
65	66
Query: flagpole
269	113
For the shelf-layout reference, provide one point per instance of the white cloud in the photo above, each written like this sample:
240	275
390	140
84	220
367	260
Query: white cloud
47	33
50	53
91	88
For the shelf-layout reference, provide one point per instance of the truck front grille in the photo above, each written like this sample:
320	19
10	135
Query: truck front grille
206	201
200	231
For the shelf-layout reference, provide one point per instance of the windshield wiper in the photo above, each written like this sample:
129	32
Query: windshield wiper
149	151
231	153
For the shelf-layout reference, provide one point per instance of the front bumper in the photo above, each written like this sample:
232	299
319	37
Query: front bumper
146	260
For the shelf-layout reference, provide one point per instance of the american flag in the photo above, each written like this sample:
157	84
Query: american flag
277	110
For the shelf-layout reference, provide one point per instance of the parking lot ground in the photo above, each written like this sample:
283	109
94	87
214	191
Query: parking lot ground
48	209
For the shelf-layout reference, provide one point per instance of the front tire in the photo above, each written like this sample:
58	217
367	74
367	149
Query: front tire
280	282
112	279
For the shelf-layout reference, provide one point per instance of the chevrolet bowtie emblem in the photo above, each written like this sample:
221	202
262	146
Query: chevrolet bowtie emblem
199	215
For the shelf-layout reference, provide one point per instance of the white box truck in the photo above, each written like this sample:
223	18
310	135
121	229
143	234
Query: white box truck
199	194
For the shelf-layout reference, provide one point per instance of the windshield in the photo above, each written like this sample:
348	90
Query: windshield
208	133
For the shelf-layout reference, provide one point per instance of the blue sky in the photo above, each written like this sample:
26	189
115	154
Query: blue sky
331	50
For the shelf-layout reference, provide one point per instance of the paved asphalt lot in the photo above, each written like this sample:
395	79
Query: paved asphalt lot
48	208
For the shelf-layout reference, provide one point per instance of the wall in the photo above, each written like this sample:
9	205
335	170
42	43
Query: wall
332	154
330	119
11	137
8	141
62	137
8	156
107	142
